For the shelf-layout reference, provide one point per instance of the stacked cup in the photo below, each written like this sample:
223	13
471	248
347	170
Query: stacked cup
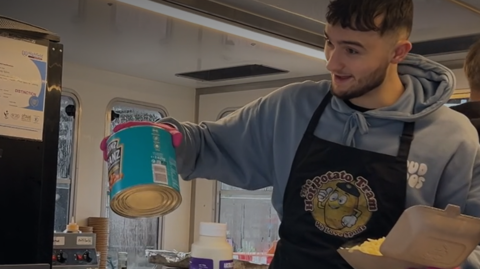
100	228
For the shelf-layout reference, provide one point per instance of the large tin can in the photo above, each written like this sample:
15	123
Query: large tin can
142	172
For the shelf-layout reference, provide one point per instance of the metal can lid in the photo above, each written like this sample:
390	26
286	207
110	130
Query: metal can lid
152	200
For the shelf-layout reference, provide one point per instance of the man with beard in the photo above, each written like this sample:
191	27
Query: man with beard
472	72
346	156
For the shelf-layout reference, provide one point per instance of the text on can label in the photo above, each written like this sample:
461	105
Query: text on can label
84	240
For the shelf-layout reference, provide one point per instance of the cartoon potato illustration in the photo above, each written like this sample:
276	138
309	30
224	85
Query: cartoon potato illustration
340	205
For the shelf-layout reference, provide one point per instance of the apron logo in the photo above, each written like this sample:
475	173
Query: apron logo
340	204
416	174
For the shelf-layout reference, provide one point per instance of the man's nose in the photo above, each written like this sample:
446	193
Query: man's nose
334	63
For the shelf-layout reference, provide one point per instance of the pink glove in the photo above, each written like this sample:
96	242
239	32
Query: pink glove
177	137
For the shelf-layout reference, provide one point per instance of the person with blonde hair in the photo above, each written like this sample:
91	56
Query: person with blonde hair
471	67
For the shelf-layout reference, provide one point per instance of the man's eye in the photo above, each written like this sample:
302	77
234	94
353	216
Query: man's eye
352	51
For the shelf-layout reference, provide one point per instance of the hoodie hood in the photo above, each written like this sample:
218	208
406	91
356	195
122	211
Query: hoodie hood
428	86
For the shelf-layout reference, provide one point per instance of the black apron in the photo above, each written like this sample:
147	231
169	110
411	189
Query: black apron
336	195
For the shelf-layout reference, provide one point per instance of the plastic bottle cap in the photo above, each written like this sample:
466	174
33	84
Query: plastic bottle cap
213	229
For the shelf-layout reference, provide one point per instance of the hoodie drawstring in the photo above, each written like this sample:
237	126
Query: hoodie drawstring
355	122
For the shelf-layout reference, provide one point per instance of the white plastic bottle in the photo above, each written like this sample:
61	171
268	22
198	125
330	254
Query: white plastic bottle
211	250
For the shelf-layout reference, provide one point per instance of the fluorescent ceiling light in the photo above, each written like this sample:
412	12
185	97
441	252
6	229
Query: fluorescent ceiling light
225	27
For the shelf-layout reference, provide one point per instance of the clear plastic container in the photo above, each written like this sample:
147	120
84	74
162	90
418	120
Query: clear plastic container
211	250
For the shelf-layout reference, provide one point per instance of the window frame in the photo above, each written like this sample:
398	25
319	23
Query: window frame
458	94
108	120
72	181
461	94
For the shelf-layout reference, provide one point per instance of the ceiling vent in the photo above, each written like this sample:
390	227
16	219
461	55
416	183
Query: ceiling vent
445	45
236	72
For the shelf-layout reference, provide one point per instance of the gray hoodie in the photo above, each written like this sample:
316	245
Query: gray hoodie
254	147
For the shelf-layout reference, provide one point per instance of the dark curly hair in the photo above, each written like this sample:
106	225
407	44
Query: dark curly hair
359	15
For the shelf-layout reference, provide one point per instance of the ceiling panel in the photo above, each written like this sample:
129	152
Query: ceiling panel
119	38
434	19
123	39
473	4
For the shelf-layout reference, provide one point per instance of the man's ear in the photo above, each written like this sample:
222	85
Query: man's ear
401	51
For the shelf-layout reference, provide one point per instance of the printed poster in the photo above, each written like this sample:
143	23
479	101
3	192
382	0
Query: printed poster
23	80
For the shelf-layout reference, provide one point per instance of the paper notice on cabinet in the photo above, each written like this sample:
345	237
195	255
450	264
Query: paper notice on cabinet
23	81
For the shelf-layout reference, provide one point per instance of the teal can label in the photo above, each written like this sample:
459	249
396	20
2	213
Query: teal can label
139	156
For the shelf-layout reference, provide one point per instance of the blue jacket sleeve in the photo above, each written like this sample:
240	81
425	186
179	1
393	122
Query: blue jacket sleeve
236	150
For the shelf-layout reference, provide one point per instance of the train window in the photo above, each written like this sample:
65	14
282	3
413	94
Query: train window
133	236
250	217
65	162
460	96
456	102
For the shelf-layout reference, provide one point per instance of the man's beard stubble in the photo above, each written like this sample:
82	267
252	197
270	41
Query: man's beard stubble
364	85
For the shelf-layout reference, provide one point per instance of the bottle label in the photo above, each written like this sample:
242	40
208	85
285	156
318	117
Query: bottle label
226	264
199	263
